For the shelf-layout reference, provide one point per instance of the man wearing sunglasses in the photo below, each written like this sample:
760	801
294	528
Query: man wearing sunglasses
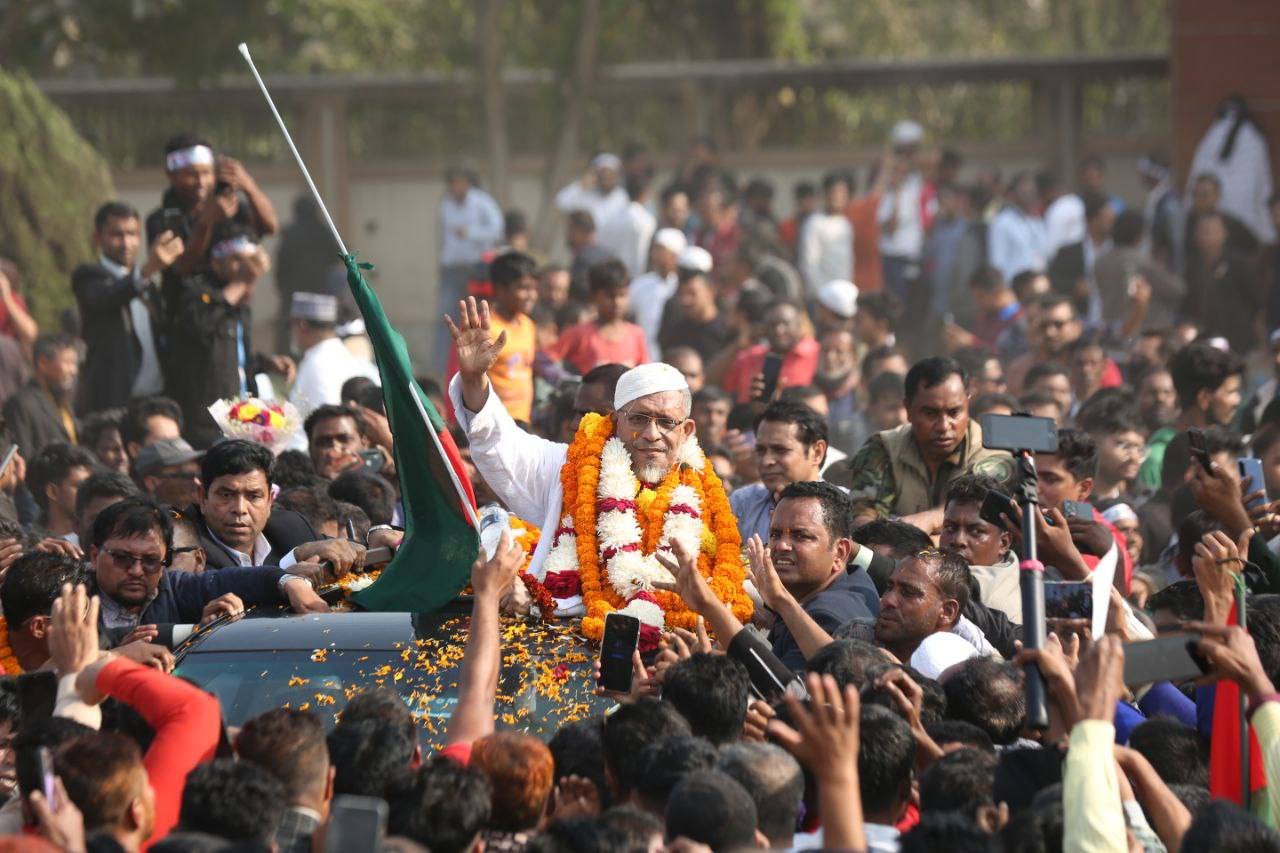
141	596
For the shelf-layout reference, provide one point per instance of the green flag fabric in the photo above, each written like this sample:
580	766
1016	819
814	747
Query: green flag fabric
441	541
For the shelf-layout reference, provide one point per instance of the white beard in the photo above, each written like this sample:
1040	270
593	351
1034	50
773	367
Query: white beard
651	473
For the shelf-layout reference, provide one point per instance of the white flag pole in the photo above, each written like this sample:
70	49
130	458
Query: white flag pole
315	193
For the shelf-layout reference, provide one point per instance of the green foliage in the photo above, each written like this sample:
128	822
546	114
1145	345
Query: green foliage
51	182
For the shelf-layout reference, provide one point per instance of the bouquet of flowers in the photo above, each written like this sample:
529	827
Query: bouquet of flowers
273	425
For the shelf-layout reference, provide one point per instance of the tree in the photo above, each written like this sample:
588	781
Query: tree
51	182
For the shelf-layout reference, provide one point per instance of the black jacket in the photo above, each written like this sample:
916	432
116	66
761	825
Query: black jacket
33	420
114	353
285	531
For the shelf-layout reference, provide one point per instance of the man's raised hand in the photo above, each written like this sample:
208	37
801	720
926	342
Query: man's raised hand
491	578
763	574
477	348
689	584
73	630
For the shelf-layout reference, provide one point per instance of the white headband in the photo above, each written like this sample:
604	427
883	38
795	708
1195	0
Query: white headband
233	246
653	378
196	155
1119	512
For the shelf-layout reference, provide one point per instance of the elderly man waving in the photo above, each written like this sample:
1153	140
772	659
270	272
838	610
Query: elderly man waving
629	485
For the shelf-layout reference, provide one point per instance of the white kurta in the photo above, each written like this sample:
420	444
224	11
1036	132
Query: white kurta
322	372
522	469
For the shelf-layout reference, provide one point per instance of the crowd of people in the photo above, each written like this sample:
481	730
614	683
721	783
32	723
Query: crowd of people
758	435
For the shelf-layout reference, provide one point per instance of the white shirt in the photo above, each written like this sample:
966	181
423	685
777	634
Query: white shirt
826	250
602	206
1016	242
149	380
1063	223
1245	175
627	234
649	295
323	370
261	550
522	469
480	220
906	240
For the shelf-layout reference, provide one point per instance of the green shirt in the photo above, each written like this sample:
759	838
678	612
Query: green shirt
1149	478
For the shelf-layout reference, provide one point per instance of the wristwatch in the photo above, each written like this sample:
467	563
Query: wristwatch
286	578
378	527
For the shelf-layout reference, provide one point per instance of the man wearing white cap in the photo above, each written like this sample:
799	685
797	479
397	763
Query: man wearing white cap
905	210
836	306
650	291
597	192
326	362
617	467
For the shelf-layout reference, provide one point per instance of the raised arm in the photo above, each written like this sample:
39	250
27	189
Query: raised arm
808	634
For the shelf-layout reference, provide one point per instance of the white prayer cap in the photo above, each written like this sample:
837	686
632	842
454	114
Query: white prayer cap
646	379
695	258
906	133
606	160
1119	512
839	297
316	307
941	651
671	239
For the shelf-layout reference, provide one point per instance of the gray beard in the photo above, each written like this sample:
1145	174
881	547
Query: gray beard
651	473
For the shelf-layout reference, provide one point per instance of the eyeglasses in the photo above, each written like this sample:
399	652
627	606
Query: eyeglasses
640	422
124	561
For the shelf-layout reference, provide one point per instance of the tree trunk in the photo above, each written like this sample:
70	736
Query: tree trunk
574	103
489	50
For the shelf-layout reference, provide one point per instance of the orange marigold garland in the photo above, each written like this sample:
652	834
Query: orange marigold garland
8	660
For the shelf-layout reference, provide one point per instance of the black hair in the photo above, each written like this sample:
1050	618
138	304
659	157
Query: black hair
51	466
881	306
973	359
670	191
293	469
947	731
1192	796
804	189
235	800
133	429
234	456
1094	203
1051	300
902	538
610	274
10	705
711	808
289	744
34	582
933	703
711	692
93	426
830	179
667	760
1022	773
970	488
514	222
381	703
930	372
1223	826
989	694
1022	280
577	750
1264	439
1177	753
629	729
1201	367
1128	228
370	756
810	426
358	518
371	492
1043	369
1264	627
186	139
580	835
581	219
444	808
50	732
355	389
606	375
1102	416
847	661
987	279
327	412
113	210
712	394
313	504
958	781
634	827
950	831
886	386
1078	452
886	756
835	504
758	187
1182	598
50	343
773	779
1177	454
510	268
133	517
104	484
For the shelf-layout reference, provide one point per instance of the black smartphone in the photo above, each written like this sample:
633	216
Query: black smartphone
621	637
1019	432
37	693
1199	449
1068	600
996	507
172	219
1077	509
34	771
372	459
772	370
356	823
1250	467
1172	657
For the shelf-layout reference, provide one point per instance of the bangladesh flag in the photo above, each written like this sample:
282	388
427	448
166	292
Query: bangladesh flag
441	539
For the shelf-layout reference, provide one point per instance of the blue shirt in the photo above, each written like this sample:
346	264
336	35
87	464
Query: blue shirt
753	507
850	596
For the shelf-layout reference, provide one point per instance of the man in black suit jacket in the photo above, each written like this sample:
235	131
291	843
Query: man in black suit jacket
120	313
1071	269
39	413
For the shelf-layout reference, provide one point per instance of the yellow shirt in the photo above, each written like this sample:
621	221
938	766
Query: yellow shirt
512	374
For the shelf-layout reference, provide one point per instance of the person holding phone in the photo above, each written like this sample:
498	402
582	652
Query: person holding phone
786	340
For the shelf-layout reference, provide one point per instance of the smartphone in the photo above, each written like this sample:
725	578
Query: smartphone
8	459
356	823
37	693
996	507
772	370
1068	600
172	219
1172	657
621	638
34	771
1077	509
1199	449
372	459
1019	432
1249	467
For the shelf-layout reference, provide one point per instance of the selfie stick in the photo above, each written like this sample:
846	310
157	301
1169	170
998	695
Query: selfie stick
1031	583
467	507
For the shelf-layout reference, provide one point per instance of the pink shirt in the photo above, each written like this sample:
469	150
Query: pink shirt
583	347
798	367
